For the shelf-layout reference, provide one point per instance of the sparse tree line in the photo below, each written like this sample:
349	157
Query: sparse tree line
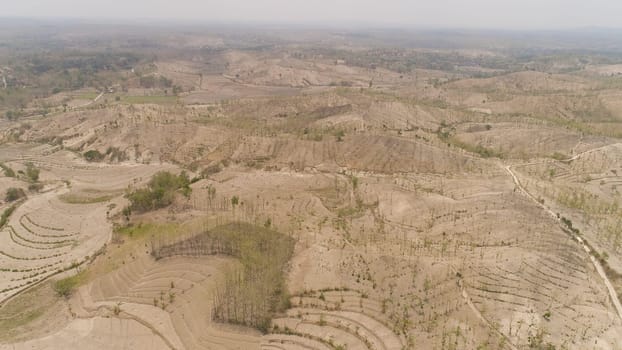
253	293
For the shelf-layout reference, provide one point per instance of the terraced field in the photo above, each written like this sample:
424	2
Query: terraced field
97	333
515	285
386	154
44	237
47	235
171	296
333	319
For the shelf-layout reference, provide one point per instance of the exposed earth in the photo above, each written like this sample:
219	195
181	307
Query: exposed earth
468	200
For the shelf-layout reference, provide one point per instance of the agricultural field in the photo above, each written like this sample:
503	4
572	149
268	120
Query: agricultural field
328	191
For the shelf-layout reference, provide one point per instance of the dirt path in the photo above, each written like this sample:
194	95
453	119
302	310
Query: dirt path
612	293
587	152
90	102
467	299
481	317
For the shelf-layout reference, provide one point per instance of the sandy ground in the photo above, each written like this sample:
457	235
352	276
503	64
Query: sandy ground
97	333
405	237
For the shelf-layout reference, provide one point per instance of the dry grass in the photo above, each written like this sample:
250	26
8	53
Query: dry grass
75	198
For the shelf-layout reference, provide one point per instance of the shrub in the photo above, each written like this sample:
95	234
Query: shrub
13	194
36	187
93	156
32	173
355	182
568	224
66	286
127	211
340	135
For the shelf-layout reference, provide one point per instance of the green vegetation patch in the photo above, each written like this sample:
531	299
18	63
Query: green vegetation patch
32	173
66	286
160	192
7	170
87	96
93	156
156	99
76	198
253	294
114	153
144	229
6	214
444	133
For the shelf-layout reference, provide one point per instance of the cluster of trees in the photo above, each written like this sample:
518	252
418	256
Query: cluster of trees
150	81
93	156
37	74
568	224
30	174
113	152
404	61
252	294
159	193
89	62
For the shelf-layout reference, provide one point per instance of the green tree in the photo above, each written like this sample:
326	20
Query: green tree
32	173
93	156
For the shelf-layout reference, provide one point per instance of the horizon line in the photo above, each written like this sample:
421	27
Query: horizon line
308	24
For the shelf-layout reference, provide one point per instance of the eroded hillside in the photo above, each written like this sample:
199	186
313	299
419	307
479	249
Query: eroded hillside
221	195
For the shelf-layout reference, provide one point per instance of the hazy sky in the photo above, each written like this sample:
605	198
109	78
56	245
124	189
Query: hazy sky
421	13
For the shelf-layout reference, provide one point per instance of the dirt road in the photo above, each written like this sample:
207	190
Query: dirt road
612	293
90	102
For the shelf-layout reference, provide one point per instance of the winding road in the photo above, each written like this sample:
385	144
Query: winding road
599	268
